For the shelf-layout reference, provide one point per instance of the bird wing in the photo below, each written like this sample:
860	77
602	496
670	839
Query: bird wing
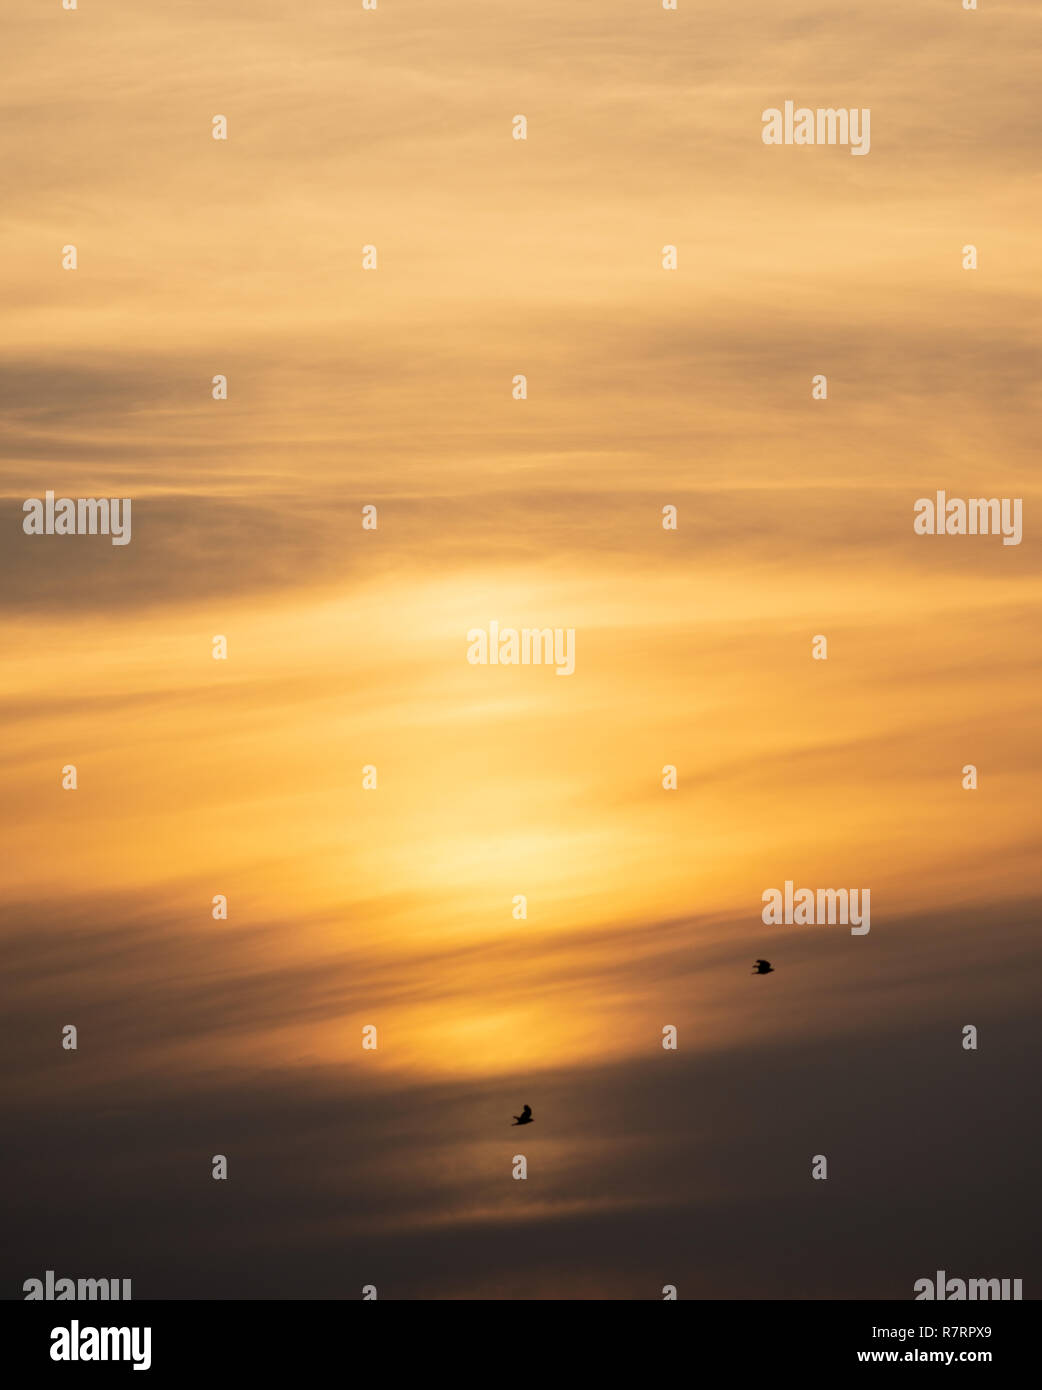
526	1111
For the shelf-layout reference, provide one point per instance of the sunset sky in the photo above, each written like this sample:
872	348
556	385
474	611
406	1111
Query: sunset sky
347	648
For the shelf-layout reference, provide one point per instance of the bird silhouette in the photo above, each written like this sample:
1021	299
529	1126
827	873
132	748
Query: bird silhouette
525	1118
762	967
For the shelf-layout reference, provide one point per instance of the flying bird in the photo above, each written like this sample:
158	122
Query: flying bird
525	1118
762	967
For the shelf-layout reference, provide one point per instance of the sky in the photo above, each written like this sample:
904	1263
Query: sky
393	907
